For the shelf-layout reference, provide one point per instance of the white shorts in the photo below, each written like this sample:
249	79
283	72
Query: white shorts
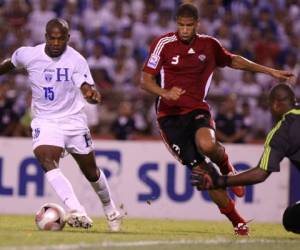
71	133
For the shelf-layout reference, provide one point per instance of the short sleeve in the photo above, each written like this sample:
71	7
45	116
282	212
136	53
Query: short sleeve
82	73
154	60
276	148
19	57
270	159
222	56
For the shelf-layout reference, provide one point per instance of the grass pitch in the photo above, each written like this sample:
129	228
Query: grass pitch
20	232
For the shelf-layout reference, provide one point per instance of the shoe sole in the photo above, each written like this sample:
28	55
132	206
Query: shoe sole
76	222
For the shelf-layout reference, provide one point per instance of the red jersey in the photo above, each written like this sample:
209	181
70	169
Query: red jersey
188	66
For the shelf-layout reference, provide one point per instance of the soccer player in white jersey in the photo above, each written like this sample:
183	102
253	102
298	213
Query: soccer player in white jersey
60	81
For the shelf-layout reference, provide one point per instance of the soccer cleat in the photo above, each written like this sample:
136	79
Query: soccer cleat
241	229
237	190
77	219
114	221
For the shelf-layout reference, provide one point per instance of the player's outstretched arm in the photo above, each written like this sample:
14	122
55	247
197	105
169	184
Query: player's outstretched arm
251	176
90	93
148	83
208	178
6	66
239	62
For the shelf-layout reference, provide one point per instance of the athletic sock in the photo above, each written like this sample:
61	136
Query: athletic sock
232	214
223	163
64	190
102	189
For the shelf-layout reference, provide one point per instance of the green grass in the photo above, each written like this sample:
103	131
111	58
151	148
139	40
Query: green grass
20	232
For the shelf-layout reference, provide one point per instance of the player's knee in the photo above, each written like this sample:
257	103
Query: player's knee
291	218
206	147
48	164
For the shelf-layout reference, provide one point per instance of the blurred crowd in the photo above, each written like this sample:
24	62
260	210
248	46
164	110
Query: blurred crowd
114	36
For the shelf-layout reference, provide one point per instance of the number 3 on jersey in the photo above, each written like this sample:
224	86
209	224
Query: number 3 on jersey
49	93
175	59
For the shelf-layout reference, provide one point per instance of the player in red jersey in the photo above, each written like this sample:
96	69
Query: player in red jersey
185	62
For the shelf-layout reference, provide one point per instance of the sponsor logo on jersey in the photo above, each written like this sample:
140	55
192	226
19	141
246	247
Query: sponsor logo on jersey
153	61
202	57
198	117
191	51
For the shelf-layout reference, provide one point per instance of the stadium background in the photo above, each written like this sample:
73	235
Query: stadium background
114	36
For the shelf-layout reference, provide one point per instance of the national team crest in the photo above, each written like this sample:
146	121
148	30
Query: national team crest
48	77
48	74
202	57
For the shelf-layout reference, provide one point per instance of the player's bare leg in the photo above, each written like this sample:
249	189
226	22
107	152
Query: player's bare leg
49	157
99	183
209	146
227	207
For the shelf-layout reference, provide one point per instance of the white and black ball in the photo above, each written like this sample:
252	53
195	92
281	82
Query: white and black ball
50	217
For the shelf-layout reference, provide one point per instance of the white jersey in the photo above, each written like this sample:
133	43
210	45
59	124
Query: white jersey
55	82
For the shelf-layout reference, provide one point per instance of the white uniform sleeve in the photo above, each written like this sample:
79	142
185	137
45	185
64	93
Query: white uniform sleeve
19	57
82	73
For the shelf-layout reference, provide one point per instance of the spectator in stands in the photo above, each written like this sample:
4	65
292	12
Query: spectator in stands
96	16
98	59
267	48
219	87
124	126
8	116
262	119
231	126
124	68
38	18
163	24
16	13
248	88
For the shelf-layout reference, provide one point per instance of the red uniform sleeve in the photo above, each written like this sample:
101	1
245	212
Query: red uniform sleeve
222	56
154	60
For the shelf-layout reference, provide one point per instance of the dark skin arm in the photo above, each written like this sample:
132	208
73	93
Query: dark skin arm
6	66
205	176
232	138
251	176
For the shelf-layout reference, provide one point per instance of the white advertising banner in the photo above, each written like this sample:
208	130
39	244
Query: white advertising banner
144	178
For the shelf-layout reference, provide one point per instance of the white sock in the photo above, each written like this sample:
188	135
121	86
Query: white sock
103	191
64	190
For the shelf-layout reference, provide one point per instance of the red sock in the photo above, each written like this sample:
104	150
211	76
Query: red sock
224	164
231	213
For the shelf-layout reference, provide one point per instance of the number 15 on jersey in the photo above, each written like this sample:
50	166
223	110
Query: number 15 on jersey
49	93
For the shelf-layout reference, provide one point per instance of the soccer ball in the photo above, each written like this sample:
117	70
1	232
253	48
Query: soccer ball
50	217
